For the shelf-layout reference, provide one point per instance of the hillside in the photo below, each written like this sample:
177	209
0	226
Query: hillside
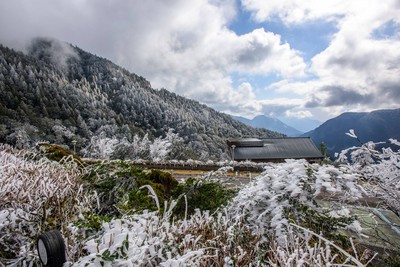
379	125
59	93
272	124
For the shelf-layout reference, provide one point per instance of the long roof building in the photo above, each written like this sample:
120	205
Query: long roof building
273	149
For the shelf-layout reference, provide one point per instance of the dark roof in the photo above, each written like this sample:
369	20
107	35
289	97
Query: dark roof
246	142
276	149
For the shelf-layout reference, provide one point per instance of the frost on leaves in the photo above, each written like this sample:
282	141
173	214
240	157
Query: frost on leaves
283	191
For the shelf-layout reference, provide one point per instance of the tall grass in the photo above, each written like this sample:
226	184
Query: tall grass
36	195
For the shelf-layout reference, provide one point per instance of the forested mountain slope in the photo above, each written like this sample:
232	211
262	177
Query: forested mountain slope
59	93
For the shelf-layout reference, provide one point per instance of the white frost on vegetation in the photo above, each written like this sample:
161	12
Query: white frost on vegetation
36	194
263	201
378	165
253	230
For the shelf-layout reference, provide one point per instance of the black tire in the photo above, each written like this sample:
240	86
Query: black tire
55	247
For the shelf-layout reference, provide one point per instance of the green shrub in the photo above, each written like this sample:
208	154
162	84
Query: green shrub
168	182
56	152
112	181
93	222
209	195
118	184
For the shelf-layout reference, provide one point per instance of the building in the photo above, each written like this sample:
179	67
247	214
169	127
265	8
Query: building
273	149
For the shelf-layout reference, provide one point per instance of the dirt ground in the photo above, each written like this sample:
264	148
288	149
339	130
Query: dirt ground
232	178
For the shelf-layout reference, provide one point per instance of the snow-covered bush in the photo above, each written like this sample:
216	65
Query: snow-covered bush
36	195
286	191
299	249
378	164
152	239
254	230
280	206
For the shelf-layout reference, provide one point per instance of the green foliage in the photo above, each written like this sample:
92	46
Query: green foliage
57	152
209	195
112	180
138	200
166	179
318	221
93	221
324	151
118	185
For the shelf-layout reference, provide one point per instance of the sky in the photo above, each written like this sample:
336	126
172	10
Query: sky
281	58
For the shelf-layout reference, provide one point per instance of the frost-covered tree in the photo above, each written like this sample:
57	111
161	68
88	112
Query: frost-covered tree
101	147
61	131
141	148
159	149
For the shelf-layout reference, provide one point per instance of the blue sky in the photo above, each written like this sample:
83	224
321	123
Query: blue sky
281	58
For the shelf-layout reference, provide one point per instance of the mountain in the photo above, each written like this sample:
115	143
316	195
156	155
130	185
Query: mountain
301	124
272	124
379	125
59	93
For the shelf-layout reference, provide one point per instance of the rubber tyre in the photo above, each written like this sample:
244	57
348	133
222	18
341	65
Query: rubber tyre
55	247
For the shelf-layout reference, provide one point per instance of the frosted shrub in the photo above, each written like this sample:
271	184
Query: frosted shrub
299	249
254	230
36	195
286	190
379	166
136	240
282	200
151	239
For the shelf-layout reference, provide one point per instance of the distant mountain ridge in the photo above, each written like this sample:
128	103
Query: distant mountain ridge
262	121
301	124
379	125
60	93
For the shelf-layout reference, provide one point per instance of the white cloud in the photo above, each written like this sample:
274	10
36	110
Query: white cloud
262	52
301	114
294	11
195	54
356	71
